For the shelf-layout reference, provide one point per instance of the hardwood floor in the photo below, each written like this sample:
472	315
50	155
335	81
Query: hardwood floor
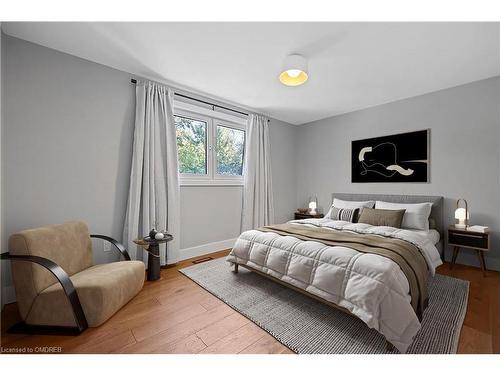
481	329
175	315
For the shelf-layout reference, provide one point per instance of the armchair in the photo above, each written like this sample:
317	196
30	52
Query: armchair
82	294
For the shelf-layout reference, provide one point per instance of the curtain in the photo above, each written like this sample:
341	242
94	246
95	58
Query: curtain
258	209
153	200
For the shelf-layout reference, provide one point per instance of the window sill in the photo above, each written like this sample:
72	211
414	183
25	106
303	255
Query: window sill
221	182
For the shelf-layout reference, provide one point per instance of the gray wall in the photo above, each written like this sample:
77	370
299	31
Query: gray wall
67	140
464	161
66	152
209	214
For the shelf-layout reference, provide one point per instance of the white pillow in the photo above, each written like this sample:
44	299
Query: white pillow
416	215
339	203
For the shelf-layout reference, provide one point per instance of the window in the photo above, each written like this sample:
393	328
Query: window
191	145
210	149
229	151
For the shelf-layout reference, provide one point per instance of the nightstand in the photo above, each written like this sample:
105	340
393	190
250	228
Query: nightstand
299	216
478	241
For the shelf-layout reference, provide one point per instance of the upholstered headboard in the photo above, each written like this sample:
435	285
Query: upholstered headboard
437	203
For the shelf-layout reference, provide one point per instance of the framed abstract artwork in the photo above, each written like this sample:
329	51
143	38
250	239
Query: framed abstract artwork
394	158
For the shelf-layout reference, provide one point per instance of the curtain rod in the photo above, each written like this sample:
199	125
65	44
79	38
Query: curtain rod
203	101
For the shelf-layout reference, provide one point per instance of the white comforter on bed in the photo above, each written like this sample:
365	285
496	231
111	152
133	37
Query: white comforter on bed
370	286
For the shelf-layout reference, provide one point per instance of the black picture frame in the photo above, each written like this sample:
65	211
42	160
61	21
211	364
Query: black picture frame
400	157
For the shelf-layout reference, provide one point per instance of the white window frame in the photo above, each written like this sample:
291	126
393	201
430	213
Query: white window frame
212	119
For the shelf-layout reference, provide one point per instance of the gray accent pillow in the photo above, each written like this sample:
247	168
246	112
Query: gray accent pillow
379	217
344	214
339	203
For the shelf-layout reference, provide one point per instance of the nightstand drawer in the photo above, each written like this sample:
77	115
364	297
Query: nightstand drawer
475	240
299	216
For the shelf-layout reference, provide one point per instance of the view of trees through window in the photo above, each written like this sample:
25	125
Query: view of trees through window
192	147
230	147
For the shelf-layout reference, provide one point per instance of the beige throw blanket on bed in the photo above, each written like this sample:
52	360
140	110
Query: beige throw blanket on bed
406	255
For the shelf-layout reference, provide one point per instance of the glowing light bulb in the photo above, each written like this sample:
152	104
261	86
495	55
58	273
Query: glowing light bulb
294	73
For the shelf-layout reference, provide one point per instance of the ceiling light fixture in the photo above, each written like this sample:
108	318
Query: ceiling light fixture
294	71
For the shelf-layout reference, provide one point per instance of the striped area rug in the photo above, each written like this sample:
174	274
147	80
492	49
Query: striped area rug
307	326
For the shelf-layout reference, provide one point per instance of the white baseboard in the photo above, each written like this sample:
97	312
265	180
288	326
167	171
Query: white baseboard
208	248
8	295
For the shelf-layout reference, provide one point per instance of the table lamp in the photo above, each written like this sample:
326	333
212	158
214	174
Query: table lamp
462	215
313	205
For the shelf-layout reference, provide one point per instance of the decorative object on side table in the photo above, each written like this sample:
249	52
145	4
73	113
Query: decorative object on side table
473	237
309	213
151	244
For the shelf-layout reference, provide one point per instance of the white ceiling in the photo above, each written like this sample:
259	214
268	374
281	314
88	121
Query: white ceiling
351	65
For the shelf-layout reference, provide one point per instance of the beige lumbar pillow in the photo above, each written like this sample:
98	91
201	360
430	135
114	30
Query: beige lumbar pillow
383	218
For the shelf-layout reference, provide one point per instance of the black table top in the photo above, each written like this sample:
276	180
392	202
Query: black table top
167	238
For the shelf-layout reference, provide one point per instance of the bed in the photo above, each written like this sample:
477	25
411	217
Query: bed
376	273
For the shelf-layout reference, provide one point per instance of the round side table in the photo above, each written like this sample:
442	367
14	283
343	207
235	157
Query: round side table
153	248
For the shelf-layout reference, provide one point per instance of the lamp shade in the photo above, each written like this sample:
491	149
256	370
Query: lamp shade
294	72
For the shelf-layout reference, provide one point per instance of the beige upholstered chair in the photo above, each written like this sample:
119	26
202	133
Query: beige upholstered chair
81	294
